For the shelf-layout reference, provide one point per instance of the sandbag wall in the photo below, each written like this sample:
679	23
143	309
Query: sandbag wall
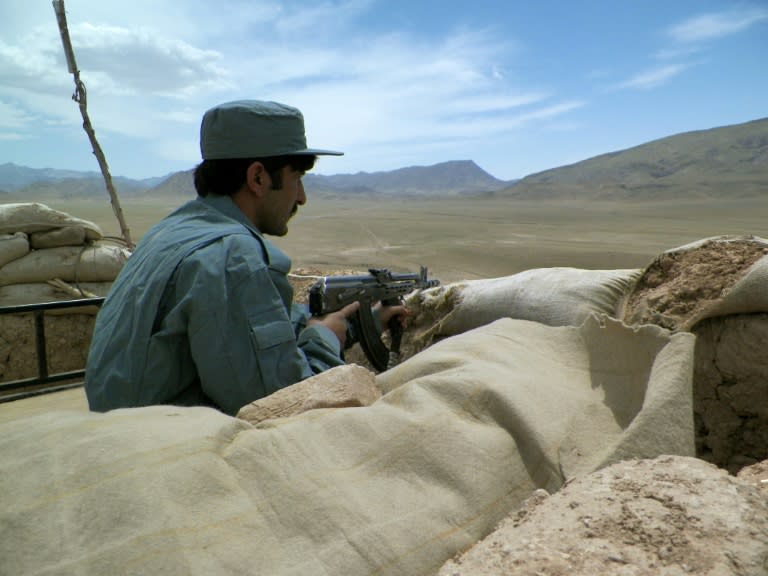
714	288
47	255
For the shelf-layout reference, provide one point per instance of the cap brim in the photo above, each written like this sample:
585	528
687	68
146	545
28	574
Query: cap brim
318	152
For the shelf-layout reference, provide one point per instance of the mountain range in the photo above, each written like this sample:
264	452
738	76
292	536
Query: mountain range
729	160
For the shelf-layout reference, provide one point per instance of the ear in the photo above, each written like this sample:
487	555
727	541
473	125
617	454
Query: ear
257	179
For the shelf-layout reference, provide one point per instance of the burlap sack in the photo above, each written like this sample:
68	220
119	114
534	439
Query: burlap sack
93	263
471	427
716	288
12	247
552	296
69	236
35	217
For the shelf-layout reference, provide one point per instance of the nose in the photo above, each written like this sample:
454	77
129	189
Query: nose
301	197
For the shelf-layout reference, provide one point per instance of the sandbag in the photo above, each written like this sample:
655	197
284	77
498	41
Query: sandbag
71	399
35	217
12	247
553	296
468	430
93	263
716	289
69	236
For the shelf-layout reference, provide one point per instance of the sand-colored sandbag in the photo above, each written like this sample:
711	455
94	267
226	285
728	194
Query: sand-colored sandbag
716	288
93	263
67	236
71	399
642	376
12	247
553	296
397	487
711	277
340	387
32	217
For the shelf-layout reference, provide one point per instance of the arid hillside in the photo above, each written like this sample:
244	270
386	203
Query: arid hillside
726	162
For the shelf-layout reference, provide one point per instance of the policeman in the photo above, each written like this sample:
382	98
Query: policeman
202	313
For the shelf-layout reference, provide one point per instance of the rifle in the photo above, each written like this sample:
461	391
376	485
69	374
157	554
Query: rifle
332	293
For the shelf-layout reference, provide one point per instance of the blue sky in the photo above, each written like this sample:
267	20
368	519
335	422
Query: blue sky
516	86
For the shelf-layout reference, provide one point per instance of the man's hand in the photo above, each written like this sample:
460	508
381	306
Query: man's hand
336	322
386	313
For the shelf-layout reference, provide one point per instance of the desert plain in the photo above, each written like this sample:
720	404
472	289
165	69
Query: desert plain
462	238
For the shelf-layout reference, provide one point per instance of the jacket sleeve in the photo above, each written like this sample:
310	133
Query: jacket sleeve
319	345
241	335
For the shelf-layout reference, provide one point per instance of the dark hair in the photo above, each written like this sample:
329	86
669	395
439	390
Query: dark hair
225	177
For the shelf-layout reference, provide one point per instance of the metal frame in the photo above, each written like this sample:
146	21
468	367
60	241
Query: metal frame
43	376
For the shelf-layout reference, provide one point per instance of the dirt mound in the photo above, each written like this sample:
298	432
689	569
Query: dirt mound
667	516
730	384
678	285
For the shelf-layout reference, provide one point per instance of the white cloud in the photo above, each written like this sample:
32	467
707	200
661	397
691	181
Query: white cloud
16	122
323	19
29	63
13	122
150	74
177	150
476	104
13	117
716	25
136	79
652	78
688	37
387	89
116	59
677	53
142	61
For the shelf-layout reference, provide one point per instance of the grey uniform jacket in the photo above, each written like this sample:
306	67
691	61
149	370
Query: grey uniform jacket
202	314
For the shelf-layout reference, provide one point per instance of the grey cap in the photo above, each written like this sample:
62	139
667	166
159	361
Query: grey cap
254	129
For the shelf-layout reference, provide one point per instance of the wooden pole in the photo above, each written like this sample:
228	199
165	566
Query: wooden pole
80	96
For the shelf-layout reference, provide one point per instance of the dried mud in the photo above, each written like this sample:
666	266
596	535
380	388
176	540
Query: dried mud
667	516
678	285
67	336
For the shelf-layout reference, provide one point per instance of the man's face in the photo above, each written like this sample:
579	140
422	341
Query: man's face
283	203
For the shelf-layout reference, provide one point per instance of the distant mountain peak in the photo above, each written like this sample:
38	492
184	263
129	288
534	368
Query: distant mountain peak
14	177
445	178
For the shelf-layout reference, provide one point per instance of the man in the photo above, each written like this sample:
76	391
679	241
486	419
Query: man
202	313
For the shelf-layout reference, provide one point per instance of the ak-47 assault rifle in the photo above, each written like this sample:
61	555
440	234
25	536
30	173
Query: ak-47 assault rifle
332	293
